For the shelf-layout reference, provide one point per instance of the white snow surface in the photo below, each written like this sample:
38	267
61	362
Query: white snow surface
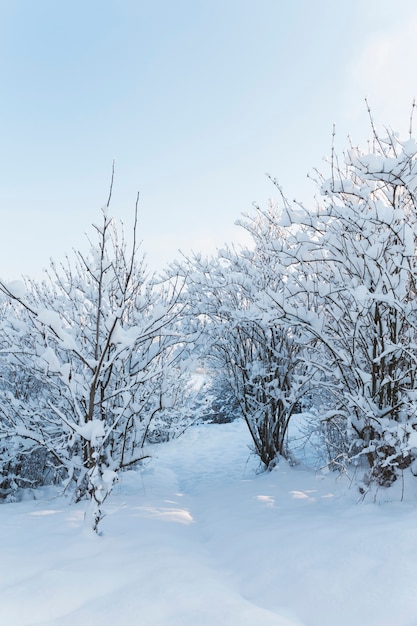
199	538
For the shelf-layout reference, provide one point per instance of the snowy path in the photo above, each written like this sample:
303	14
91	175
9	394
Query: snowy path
200	540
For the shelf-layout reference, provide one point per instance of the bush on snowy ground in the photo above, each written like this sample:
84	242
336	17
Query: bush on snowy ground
99	343
262	363
351	285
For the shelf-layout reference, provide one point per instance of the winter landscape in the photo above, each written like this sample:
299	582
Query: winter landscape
208	389
231	442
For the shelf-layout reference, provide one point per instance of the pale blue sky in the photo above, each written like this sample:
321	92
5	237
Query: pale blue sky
194	99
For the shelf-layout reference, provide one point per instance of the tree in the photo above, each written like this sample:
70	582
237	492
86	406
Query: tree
262	361
99	343
351	268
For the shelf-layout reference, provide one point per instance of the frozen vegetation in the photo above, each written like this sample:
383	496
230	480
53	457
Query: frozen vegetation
232	442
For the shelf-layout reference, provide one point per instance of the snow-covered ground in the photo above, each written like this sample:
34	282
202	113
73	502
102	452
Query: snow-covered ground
200	539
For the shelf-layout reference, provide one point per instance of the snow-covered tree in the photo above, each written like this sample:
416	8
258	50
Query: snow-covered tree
98	342
351	283
261	361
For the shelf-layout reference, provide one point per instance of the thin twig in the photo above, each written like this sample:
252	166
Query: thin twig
410	129
111	186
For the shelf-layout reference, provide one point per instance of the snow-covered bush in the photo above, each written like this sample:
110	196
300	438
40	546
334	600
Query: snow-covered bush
262	362
351	268
97	340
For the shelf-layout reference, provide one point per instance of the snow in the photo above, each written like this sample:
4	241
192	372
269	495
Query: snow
200	538
53	320
410	147
92	431
51	360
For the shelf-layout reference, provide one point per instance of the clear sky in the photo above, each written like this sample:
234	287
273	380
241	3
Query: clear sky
194	99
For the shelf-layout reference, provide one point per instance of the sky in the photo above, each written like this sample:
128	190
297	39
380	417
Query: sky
194	100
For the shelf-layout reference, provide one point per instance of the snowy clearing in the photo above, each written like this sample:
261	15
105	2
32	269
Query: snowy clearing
200	539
